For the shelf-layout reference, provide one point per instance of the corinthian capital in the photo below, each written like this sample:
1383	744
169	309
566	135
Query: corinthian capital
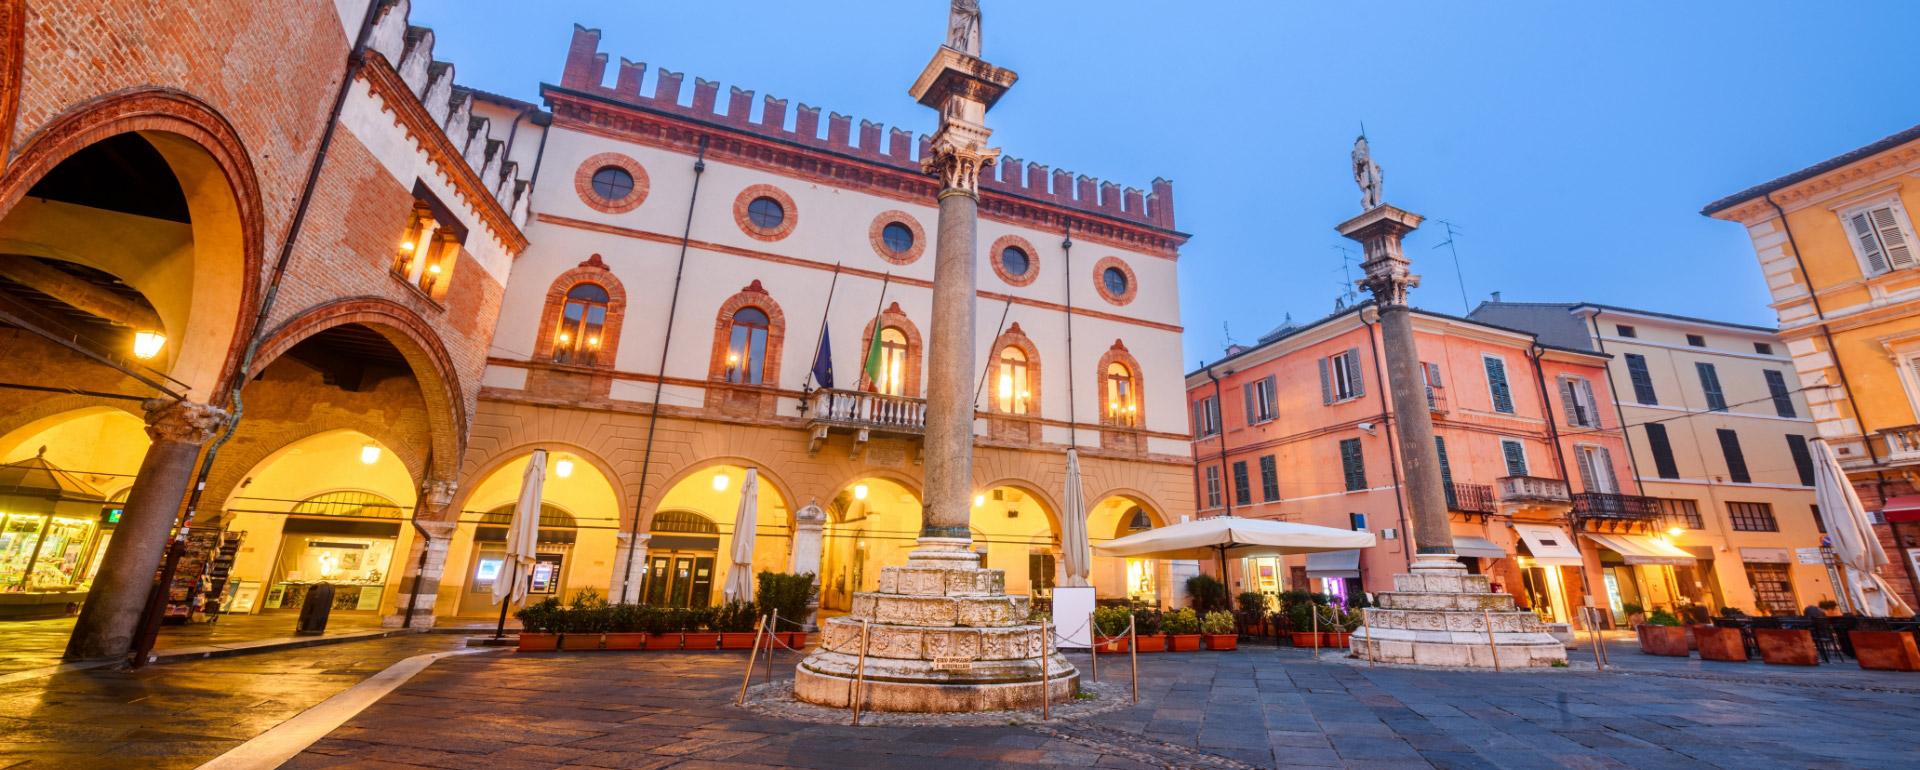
958	166
182	421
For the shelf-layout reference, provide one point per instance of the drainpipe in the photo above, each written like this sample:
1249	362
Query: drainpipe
1559	457
1618	410
1846	388
149	628
426	542
1386	427
1226	483
653	414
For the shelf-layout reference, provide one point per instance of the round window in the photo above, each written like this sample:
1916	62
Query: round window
897	236
1015	261
766	213
1116	281
612	183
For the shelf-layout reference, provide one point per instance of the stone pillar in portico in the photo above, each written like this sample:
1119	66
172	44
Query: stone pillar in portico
624	589
434	526
111	615
809	528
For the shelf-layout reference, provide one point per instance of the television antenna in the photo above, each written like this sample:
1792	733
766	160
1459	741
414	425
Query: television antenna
1348	296
1465	305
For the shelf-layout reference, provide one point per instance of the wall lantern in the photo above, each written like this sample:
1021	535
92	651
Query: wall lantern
147	343
369	453
720	482
563	467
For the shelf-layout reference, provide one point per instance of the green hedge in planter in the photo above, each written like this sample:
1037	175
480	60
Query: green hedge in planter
788	594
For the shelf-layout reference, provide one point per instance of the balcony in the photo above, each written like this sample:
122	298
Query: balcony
863	414
1903	444
1436	400
1615	511
1471	498
1533	490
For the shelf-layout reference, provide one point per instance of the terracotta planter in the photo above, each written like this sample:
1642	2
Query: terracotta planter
539	642
1670	641
578	642
795	639
1717	643
663	641
1184	642
702	640
737	640
1223	642
1306	639
1154	643
1787	646
1334	638
1112	644
1885	650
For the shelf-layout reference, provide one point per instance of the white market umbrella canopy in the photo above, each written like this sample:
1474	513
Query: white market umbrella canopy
523	533
1077	556
745	521
1855	545
1224	536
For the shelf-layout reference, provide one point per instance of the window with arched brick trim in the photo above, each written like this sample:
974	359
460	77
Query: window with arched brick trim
900	353
580	325
748	333
1015	384
1121	395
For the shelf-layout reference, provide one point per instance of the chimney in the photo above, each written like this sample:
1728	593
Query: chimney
1496	297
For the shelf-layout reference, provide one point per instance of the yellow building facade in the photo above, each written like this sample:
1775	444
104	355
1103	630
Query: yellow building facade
1837	245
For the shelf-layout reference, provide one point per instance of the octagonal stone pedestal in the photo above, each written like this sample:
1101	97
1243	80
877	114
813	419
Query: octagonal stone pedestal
1440	618
942	636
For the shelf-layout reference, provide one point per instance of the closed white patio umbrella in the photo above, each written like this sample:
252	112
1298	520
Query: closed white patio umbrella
523	539
745	520
1076	554
1854	543
1223	536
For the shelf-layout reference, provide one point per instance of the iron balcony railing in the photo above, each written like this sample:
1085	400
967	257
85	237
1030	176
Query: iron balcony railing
1532	489
1470	498
870	411
1607	505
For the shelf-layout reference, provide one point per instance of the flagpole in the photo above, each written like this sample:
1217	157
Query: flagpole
988	369
821	338
879	307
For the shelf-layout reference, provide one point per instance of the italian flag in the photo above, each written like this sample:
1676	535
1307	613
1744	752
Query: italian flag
873	362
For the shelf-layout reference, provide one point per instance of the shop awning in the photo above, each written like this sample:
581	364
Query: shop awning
1902	508
1548	546
1333	564
1640	549
1477	547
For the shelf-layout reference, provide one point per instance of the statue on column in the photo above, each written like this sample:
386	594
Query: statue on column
1366	173
963	27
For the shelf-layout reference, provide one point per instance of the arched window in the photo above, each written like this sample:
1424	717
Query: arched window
1123	408
893	362
747	346
583	320
1013	390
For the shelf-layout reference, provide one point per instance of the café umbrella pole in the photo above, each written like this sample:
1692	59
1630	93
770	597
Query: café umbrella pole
523	538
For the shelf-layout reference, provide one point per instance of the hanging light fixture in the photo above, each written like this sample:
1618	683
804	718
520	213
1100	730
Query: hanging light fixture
563	467
147	343
1675	531
720	481
979	500
859	491
369	453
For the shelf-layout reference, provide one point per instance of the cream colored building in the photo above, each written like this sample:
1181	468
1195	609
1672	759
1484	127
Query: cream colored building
1718	432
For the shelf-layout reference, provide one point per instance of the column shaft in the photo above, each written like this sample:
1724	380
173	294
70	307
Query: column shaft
1419	458
950	372
111	614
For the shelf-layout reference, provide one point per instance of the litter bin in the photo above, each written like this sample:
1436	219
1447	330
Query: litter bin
314	611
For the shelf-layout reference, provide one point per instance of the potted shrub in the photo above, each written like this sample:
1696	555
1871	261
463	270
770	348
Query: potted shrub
791	596
663	628
1831	607
1252	606
1208	594
1301	621
536	626
1635	613
1662	634
583	622
1111	625
1337	625
697	624
1218	629
736	621
1183	630
1146	631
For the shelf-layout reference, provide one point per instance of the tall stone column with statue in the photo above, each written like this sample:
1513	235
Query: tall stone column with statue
1437	614
941	633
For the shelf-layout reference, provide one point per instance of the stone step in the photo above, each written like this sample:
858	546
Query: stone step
939	580
1417	582
1463	602
842	635
1520	622
941	611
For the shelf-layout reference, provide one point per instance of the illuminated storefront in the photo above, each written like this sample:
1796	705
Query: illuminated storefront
50	525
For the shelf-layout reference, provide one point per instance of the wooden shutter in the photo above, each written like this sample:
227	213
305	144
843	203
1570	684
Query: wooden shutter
1326	383
1869	243
1433	374
1353	373
1890	223
1570	403
1516	457
1199	418
1269	406
1446	473
1246	394
1603	467
1583	457
1497	385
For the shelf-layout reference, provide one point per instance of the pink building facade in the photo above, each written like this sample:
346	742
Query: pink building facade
1299	427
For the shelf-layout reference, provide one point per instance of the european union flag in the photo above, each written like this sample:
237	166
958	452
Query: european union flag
823	361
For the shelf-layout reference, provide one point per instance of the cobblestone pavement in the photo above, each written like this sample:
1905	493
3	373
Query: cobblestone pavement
180	715
1260	707
28	644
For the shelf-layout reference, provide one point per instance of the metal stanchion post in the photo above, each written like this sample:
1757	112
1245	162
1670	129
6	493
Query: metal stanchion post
1492	649
1367	646
1315	612
1093	647
758	627
1133	651
860	672
773	628
1046	674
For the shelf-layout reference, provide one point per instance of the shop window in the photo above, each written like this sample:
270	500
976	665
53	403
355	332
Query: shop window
1772	588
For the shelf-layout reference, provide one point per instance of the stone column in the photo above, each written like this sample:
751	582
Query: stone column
434	527
111	615
950	358
809	527
626	585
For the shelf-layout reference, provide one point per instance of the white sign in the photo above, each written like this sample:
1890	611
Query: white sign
1808	556
1072	616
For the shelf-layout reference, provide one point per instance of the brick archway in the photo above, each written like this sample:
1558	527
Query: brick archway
154	110
13	36
596	272
894	317
432	367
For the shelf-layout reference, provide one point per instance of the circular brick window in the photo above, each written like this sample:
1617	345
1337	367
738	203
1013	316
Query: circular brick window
1115	280
765	212
1015	260
897	237
611	183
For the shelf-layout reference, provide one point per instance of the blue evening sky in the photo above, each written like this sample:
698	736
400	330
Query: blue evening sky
1573	144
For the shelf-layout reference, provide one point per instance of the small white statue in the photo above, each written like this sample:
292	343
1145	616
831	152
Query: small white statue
1366	174
963	27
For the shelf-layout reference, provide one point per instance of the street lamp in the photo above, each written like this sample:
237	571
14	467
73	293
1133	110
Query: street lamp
147	343
563	467
369	453
859	491
720	481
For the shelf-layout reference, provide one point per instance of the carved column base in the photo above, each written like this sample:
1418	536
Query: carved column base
1441	617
